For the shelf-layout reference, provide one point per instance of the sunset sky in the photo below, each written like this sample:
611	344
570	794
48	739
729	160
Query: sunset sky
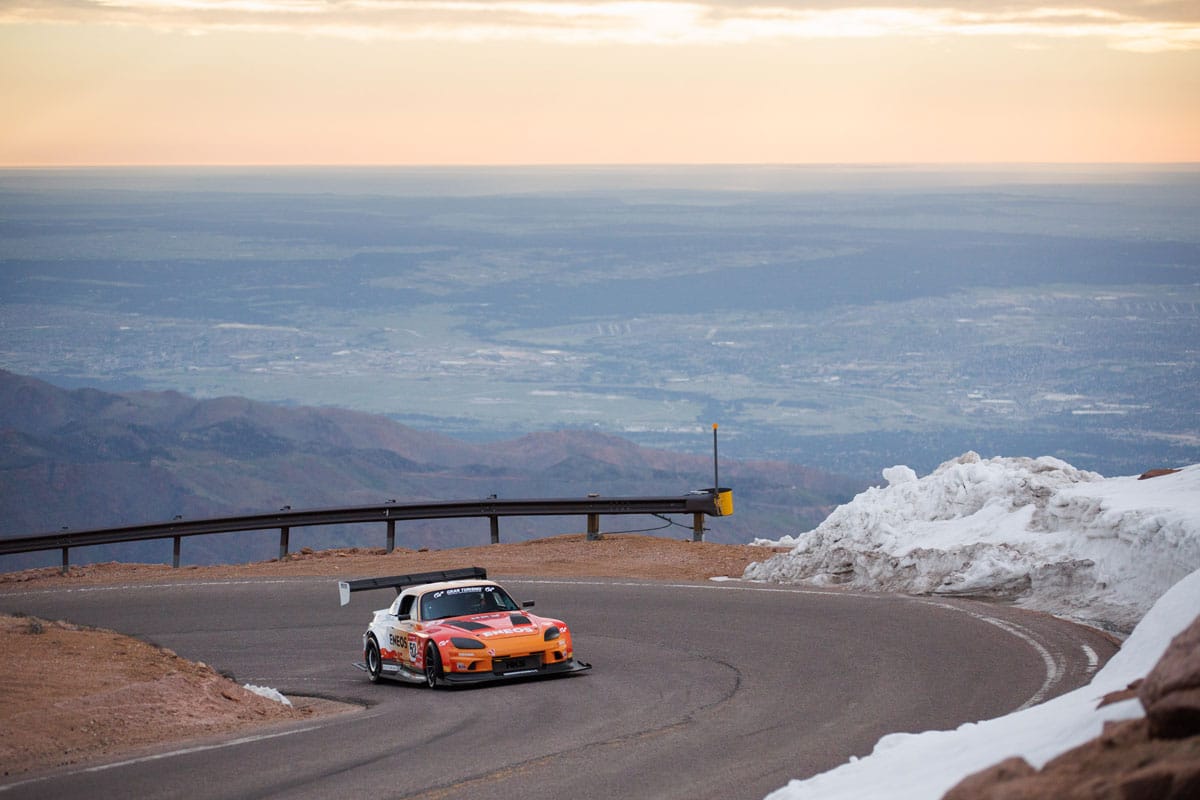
115	82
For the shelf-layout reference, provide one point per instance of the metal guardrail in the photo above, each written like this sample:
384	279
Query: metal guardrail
699	504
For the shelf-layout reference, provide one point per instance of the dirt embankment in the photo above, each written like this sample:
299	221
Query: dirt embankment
71	694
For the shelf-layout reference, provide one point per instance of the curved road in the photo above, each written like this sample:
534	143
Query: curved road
698	690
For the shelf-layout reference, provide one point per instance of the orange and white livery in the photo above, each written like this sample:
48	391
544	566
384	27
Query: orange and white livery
456	626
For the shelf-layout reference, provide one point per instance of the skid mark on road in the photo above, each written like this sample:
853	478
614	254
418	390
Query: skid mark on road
485	782
1053	663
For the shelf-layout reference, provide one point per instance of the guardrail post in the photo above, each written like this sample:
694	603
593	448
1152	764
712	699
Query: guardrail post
391	535
495	524
283	542
593	530
698	527
175	555
66	562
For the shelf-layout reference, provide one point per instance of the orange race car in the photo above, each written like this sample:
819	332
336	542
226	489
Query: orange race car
456	626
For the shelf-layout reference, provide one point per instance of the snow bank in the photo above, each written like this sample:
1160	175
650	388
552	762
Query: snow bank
269	693
924	766
1037	531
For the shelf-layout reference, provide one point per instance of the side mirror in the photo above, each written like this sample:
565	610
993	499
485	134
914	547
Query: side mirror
527	604
403	617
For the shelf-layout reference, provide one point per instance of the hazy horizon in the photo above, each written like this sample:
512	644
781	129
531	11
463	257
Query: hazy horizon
92	82
846	318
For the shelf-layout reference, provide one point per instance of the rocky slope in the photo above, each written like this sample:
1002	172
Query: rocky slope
1153	758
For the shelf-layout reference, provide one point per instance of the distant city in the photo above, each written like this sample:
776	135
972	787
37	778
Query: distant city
842	319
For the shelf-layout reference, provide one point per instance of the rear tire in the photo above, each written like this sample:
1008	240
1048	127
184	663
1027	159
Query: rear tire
433	665
374	660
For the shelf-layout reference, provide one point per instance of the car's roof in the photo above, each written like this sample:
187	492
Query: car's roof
421	588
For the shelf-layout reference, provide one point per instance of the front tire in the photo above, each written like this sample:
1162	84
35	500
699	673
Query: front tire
374	660
433	665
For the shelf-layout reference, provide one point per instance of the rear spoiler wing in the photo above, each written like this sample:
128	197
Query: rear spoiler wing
398	582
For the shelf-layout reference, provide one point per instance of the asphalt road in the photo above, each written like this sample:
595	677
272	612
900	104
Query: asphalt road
718	690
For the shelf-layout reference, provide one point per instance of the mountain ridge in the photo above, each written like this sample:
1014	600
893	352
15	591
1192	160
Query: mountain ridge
85	458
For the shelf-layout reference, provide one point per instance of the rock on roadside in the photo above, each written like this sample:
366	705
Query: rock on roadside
1154	758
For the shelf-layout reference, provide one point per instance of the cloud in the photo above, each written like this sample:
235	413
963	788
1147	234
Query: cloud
1134	25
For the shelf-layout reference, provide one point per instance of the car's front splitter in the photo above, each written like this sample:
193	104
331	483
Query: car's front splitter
457	678
560	668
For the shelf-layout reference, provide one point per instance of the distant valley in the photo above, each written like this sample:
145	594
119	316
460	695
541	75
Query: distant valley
845	319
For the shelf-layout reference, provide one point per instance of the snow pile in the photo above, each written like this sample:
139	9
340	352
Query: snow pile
269	693
924	766
1037	531
1113	552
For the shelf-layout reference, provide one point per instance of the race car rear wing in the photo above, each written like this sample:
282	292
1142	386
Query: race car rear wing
398	582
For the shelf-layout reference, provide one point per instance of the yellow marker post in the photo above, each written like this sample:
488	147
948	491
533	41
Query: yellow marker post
722	497
716	480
